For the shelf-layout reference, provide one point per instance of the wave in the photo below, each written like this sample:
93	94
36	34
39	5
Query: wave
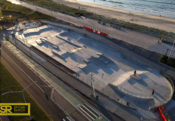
115	2
167	3
112	1
164	8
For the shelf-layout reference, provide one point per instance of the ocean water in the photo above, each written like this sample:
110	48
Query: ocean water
164	8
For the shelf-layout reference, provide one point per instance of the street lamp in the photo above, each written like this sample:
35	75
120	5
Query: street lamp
93	94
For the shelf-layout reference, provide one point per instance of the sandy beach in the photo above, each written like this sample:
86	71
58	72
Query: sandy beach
159	22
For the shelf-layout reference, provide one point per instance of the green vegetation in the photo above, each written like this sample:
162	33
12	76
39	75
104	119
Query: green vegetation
18	11
167	60
151	31
104	20
60	7
8	83
13	12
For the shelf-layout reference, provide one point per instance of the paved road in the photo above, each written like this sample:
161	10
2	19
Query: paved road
136	38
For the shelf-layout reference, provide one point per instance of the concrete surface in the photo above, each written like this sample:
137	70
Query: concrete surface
107	105
88	57
67	100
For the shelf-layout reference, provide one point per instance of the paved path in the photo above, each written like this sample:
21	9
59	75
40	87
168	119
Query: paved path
162	23
136	38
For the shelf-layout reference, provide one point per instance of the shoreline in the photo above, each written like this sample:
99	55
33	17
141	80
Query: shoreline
121	10
158	22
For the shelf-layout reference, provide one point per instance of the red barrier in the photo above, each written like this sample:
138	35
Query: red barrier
87	28
104	34
96	31
161	114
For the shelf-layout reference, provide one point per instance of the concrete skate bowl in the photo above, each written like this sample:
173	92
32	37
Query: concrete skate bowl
144	90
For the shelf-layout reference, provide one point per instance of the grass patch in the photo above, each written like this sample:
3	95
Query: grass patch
60	7
169	36
24	13
16	12
8	83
